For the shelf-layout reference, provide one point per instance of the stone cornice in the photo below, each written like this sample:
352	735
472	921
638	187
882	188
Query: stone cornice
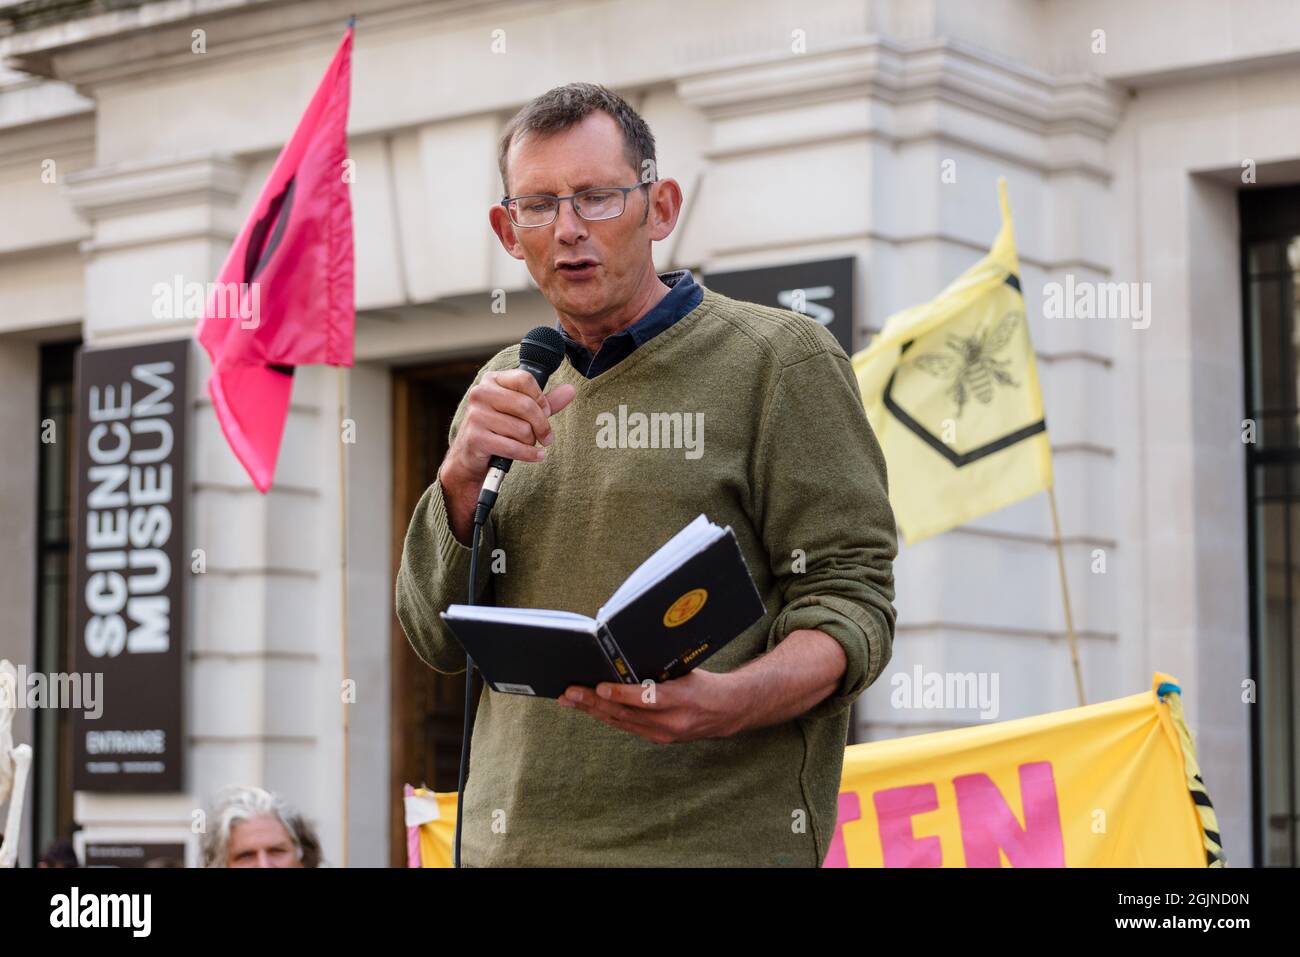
55	137
35	100
128	187
76	50
156	37
893	72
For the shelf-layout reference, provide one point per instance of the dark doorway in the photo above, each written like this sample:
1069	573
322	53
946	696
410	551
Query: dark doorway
427	707
51	808
1270	262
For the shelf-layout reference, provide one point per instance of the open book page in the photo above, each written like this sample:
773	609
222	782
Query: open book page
523	616
694	538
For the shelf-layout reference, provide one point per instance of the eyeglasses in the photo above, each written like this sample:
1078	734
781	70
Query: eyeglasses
599	202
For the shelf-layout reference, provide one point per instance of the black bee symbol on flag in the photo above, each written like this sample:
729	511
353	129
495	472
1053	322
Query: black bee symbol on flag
972	367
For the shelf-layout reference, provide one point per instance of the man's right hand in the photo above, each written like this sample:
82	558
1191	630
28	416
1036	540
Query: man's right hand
506	414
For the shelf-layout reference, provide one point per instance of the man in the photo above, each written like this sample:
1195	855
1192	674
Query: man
738	762
252	827
59	853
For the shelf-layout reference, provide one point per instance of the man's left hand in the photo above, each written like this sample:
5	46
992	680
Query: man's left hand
701	704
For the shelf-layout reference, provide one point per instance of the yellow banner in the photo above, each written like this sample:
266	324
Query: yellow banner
1105	785
1114	784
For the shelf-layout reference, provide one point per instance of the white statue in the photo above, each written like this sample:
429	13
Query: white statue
14	765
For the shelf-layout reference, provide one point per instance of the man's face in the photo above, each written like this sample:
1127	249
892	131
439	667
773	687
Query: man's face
261	842
587	154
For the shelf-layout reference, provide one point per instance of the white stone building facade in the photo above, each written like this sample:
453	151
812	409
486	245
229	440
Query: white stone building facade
870	129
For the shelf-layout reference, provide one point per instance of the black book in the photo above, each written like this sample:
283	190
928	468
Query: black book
682	604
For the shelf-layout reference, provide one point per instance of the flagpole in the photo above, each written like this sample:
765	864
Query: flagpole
343	575
1065	594
343	600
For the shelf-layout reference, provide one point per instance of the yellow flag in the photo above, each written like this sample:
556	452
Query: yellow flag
430	828
951	391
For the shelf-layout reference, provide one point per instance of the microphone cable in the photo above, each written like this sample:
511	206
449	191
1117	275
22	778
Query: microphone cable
540	354
469	688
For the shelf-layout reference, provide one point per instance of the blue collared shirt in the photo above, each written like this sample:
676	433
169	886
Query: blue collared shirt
683	296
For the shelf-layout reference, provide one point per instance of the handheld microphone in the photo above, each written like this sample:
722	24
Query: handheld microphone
540	353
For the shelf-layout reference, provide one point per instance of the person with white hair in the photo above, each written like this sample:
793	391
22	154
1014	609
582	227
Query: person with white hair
253	827
15	763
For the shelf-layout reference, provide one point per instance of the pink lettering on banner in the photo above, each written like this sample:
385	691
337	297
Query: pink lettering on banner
895	809
988	823
849	810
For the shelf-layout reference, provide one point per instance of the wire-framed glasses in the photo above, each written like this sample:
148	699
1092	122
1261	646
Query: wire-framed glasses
540	209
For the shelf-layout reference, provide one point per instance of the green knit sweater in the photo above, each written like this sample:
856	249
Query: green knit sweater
786	458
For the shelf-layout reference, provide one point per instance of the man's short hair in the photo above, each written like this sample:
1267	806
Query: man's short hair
565	106
59	854
238	804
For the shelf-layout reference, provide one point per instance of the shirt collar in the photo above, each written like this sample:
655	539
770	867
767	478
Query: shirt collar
662	315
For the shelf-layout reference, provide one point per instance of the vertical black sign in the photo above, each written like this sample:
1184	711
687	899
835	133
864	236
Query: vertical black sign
820	290
129	567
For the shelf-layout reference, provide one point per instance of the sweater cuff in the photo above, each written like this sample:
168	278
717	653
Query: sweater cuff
854	628
450	550
455	556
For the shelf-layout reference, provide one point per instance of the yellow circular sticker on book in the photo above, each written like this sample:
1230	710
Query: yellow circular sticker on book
685	608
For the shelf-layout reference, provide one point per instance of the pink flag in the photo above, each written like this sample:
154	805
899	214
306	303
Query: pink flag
284	296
